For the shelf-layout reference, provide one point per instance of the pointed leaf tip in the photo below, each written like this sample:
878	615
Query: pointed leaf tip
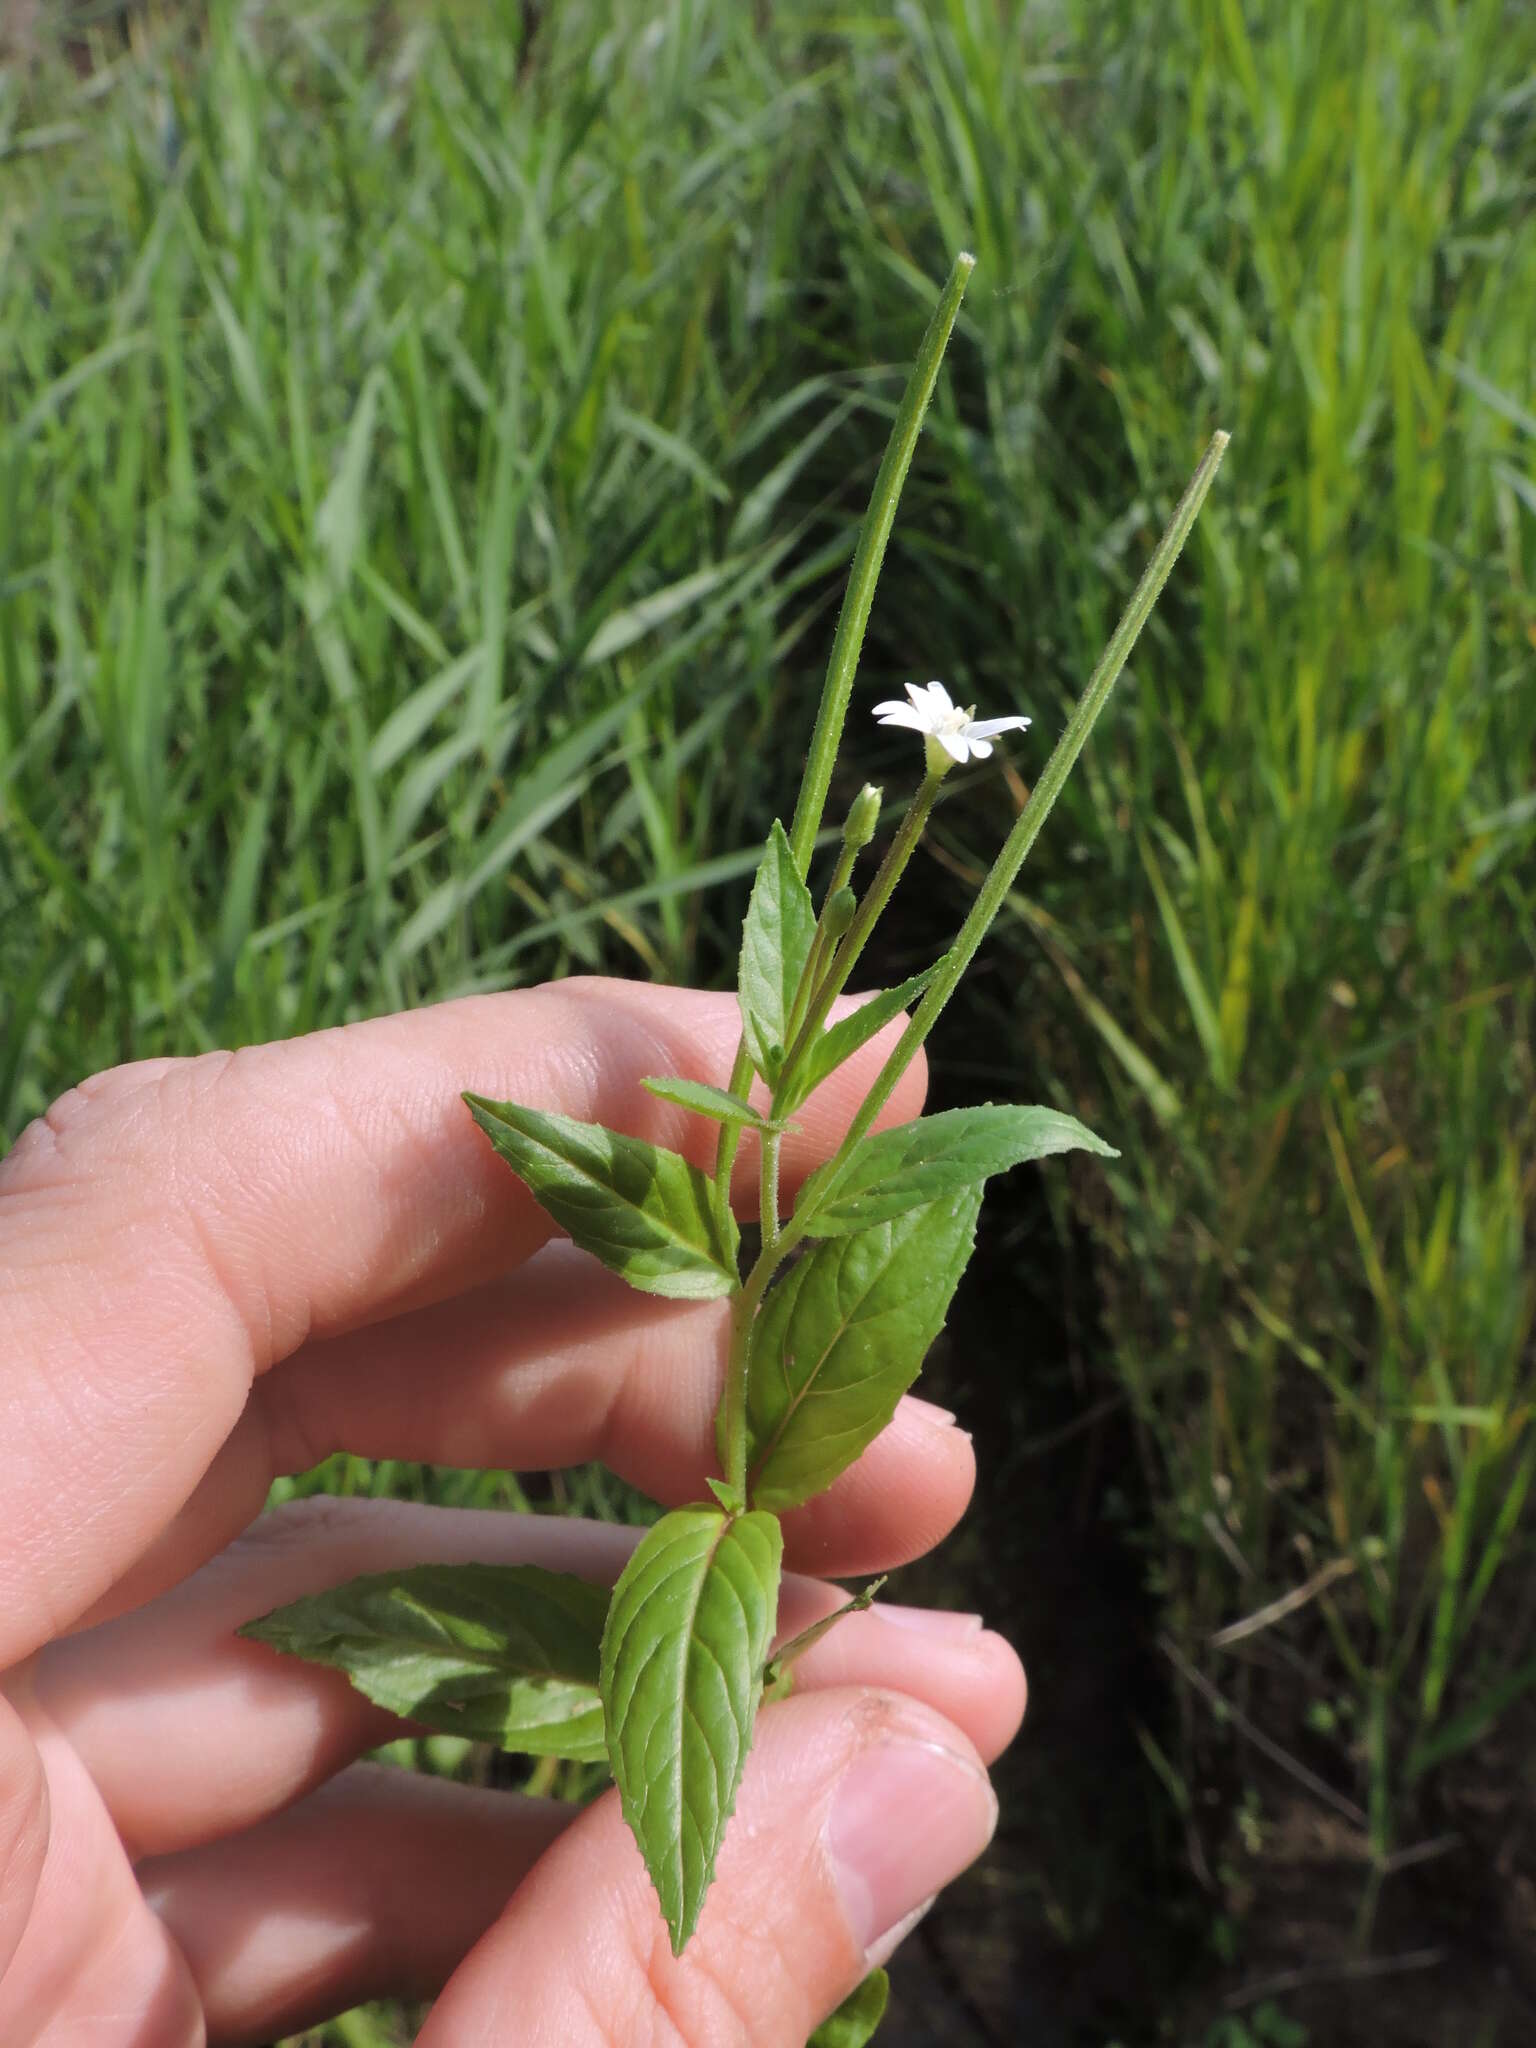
506	1654
647	1213
934	1158
682	1679
855	2021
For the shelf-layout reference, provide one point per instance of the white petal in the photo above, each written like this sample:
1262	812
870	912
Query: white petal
988	728
981	750
891	704
939	695
953	744
918	693
902	714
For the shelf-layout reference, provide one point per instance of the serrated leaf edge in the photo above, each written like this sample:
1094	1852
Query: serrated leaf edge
715	1260
953	1272
634	1811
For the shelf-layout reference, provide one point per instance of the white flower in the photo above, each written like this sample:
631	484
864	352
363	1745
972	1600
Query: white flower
951	735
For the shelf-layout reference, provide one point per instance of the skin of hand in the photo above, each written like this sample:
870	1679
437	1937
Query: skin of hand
217	1270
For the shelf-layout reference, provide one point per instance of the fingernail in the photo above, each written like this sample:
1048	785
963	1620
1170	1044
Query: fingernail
930	1621
906	1818
930	1411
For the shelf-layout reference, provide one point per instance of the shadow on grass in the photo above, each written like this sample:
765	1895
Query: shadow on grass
1077	1927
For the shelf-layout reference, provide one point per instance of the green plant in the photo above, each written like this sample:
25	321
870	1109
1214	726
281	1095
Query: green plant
394	527
1309	812
667	1676
1265	2027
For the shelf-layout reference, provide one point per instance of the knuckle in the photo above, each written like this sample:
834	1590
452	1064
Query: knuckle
300	1525
298	1427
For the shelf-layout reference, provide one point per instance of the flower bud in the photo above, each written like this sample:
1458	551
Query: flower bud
863	817
838	914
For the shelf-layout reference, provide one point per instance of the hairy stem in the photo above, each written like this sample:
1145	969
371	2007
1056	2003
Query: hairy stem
768	1203
840	874
849	638
731	1421
1015	850
868	556
845	957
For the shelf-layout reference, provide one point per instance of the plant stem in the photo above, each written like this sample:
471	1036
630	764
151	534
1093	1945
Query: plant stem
847	642
769	1187
840	875
844	958
731	1421
1004	871
868	556
729	1140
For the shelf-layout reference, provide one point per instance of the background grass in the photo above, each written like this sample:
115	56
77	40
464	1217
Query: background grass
431	454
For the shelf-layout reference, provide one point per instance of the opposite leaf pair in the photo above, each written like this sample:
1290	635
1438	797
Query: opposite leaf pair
844	1334
821	1353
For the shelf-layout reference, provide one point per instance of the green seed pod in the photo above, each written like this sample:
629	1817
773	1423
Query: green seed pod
839	913
863	818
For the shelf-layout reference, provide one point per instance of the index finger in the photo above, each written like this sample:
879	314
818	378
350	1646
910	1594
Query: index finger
173	1229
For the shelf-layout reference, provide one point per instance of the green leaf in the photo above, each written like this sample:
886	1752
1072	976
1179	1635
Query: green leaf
857	2017
642	1210
708	1100
827	1053
775	942
731	1498
499	1653
682	1678
934	1157
784	1659
841	1338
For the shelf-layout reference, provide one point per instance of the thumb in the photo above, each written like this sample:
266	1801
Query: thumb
855	1808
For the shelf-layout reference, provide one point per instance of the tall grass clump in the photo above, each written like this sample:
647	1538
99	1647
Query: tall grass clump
392	586
1292	950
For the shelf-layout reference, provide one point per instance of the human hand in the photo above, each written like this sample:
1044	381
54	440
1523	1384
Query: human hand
214	1271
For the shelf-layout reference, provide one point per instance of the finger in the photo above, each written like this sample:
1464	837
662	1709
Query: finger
375	1886
562	1362
23	1828
89	1962
174	1230
190	1731
553	1365
378	1885
948	1661
854	1809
